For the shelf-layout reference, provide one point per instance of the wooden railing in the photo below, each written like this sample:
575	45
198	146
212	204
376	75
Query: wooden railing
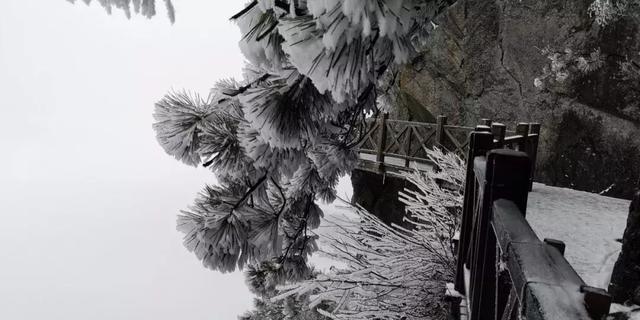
503	269
400	144
410	139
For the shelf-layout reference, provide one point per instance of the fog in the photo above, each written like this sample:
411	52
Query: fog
88	199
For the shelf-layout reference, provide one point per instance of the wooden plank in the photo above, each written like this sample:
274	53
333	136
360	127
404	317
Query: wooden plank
454	140
423	142
389	168
460	144
401	156
464	128
429	125
408	141
513	139
368	137
395	139
374	152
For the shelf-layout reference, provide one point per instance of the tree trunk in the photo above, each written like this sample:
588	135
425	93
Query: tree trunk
625	280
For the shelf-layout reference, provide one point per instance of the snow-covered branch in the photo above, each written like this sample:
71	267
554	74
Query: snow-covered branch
146	8
393	272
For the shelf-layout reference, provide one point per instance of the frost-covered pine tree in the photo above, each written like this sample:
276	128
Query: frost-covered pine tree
280	138
392	272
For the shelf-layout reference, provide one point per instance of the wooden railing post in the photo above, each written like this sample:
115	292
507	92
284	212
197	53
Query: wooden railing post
556	244
499	131
534	139
522	129
480	143
440	135
408	140
597	301
382	140
506	176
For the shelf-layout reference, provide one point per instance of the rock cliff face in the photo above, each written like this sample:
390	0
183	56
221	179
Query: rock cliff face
540	61
379	195
625	279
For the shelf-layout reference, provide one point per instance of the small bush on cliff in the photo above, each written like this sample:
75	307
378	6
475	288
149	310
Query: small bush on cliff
608	11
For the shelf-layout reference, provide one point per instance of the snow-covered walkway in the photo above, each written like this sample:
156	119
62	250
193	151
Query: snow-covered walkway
588	224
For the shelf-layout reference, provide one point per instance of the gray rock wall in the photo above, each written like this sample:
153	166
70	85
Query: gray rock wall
483	60
379	195
625	280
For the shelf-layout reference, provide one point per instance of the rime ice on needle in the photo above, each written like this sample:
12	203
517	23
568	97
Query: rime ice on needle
280	138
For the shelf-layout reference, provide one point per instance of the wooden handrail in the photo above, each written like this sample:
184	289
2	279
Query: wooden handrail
547	282
410	140
534	280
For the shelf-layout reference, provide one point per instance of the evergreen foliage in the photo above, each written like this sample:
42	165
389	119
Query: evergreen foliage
263	279
146	8
609	11
280	138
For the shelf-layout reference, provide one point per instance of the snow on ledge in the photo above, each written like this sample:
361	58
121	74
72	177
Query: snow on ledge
588	224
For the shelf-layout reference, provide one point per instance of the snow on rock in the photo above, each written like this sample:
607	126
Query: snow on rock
588	223
452	292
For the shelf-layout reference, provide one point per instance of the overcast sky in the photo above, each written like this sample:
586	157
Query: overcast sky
88	199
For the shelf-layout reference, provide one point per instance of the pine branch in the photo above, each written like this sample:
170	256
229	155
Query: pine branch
246	87
244	10
249	192
279	3
282	196
301	227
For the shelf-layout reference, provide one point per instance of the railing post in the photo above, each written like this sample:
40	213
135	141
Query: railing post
506	177
499	131
441	122
382	140
557	244
408	141
522	129
479	144
597	301
534	139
